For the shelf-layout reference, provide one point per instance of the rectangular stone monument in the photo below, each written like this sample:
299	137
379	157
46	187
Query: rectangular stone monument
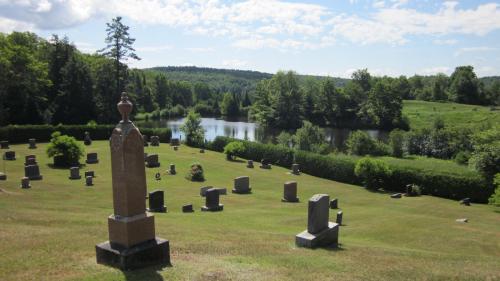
132	241
176	148
30	160
89	174
9	155
290	192
86	139
320	232
212	201
175	142
152	161
92	158
339	217
156	202
334	203
222	190
89	181
188	208
4	144
74	173
250	164
296	169
3	176
32	143
203	190
265	164
155	141
202	150
172	169
242	185
32	172
25	182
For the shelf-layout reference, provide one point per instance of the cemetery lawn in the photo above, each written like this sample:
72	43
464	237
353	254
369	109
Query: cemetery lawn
423	113
49	232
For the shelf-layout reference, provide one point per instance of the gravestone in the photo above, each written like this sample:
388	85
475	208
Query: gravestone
290	192
188	208
156	202
25	182
86	139
396	195
222	191
74	173
203	190
32	172
88	181
175	142
296	169
212	201
92	158
30	160
145	139
32	143
250	164
334	203
339	217
465	201
176	148
155	141
152	161
265	164
4	144
172	169
242	185
89	174
9	155
3	176
202	150
320	231
132	241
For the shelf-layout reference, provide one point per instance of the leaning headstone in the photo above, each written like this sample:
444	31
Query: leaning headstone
250	164
334	203
132	241
25	182
92	158
172	169
242	185
74	173
89	174
290	192
265	164
212	201
465	201
295	169
86	139
152	161
3	176
155	141
396	195
32	172
156	202
32	143
175	142
339	217
320	231
30	160
9	155
88	181
4	144
188	208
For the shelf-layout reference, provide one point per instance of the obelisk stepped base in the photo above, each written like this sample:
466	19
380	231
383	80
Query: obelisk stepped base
153	252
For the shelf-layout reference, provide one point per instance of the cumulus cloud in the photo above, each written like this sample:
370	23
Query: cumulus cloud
481	49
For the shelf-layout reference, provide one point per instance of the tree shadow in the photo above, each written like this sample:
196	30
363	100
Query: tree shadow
151	273
334	248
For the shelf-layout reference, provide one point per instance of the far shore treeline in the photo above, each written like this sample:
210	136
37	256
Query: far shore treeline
52	82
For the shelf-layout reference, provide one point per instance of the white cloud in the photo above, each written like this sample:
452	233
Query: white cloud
445	41
9	25
378	4
234	63
481	49
86	47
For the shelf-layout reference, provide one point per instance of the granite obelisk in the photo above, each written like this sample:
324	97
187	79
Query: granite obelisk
132	241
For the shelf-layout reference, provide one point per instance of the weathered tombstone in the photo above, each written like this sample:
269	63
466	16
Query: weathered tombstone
290	192
265	164
334	203
92	158
132	241
9	155
212	201
145	139
188	208
157	202
3	176
25	182
88	181
396	195
4	144
172	169
320	231
89	174
250	164
176	148
30	160
175	142
155	141
32	143
152	161
296	169
203	190
339	217
74	173
465	201
242	185
32	172
202	150
86	139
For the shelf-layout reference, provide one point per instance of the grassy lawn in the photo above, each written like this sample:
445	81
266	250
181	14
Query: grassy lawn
49	232
423	113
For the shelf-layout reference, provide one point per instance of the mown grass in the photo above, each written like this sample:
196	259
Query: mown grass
49	231
423	113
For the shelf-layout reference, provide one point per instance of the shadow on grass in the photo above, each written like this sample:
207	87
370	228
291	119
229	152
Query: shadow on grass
236	161
337	248
52	166
149	273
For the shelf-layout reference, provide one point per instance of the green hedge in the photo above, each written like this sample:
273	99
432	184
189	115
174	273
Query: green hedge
21	133
341	168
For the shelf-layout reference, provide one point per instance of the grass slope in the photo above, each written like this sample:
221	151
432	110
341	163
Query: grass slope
423	114
49	231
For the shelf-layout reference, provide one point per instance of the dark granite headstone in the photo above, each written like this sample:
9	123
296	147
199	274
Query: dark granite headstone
152	161
9	155
89	174
212	201
295	169
4	144
32	172
25	182
203	190
92	158
32	143
175	142
88	181
242	185
156	202
86	139
187	208
465	201
250	164
3	176
176	148
202	150
334	203
74	173
172	169
155	141
265	164
339	217
30	160
290	192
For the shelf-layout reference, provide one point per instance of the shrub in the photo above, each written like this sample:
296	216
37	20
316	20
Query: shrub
360	143
413	190
193	130
195	173
372	172
486	160
396	142
65	148
233	149
285	139
310	138
495	197
462	157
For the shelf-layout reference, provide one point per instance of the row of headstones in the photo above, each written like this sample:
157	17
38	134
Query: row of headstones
5	144
155	141
266	164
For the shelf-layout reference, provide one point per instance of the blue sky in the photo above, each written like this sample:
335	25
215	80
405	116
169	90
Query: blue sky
335	37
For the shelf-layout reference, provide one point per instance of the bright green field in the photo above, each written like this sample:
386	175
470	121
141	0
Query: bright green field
423	113
49	231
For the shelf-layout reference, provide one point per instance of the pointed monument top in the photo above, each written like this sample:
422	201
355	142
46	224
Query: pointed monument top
125	107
